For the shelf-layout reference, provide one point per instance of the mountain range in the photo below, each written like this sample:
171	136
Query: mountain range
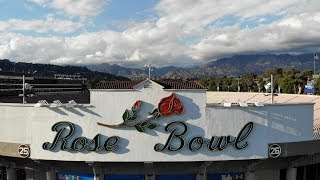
233	66
48	70
134	73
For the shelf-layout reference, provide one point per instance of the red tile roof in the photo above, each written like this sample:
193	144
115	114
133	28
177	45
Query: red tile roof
180	85
116	85
131	84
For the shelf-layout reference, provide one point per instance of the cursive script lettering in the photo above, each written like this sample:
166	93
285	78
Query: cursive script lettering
196	143
65	140
174	135
65	130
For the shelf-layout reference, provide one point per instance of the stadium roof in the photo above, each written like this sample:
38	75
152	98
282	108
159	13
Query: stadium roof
133	84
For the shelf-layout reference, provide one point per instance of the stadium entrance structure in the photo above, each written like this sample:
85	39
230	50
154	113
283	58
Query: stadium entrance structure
156	130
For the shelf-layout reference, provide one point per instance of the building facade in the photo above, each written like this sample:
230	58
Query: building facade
154	130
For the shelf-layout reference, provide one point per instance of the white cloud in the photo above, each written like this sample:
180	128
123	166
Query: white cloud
291	34
75	8
158	43
143	42
40	2
194	16
40	26
305	6
262	19
29	49
293	22
164	40
80	7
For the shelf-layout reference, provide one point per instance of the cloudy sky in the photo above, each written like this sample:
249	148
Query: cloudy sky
161	33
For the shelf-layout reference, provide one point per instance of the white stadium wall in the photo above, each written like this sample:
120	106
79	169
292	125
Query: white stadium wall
272	124
26	124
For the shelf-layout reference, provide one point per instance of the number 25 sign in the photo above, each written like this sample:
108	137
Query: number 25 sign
24	150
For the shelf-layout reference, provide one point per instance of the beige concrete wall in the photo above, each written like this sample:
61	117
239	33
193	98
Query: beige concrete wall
9	149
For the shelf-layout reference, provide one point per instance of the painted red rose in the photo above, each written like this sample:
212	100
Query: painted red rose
170	105
137	104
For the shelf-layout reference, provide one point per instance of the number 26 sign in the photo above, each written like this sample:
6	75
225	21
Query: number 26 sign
274	150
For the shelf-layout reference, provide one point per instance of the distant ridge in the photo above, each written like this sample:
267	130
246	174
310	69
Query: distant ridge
132	73
233	66
48	70
241	64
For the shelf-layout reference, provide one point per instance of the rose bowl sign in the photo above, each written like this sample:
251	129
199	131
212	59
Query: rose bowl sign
177	132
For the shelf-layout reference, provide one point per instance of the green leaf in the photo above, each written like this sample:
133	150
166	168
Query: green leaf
152	126
154	111
139	128
134	110
126	115
134	117
157	115
144	124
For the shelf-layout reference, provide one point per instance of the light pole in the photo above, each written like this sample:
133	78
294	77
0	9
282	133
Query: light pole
272	89
315	57
238	78
149	69
23	89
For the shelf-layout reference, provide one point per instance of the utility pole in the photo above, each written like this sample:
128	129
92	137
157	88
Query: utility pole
272	89
314	63
238	78
315	57
149	69
23	90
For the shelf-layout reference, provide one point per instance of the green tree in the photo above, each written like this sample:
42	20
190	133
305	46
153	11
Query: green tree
287	85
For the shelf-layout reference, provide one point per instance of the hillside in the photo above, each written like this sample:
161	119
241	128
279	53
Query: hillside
233	66
132	73
240	64
48	70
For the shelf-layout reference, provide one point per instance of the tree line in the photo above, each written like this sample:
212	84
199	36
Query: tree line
290	81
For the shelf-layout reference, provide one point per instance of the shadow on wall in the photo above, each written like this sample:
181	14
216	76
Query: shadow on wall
73	110
280	119
290	122
191	112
